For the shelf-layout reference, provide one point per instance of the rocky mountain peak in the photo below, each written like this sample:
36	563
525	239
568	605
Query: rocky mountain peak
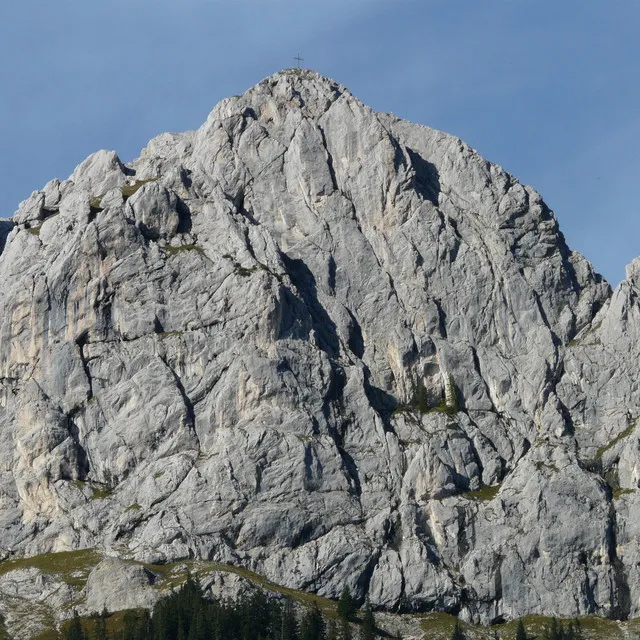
282	101
329	345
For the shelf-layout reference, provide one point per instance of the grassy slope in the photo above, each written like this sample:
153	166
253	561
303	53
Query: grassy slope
74	567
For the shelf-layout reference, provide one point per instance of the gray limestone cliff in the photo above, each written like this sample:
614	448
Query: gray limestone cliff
328	345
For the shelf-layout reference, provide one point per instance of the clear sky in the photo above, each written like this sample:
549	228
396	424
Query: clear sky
547	89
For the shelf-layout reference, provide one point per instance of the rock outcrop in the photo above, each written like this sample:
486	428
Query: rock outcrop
331	346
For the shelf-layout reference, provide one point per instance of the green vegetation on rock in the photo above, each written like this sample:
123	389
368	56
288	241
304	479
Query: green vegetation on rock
346	606
71	567
484	494
129	189
621	436
182	248
319	615
420	403
244	271
95	202
619	492
186	613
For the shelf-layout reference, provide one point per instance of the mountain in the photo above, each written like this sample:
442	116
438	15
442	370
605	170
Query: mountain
330	346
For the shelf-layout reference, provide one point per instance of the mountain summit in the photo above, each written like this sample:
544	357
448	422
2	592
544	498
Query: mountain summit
328	345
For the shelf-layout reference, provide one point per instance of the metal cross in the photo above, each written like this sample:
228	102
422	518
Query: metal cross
298	59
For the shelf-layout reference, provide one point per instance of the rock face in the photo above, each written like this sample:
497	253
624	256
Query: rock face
331	346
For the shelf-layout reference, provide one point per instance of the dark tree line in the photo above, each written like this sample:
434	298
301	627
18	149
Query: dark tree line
186	614
553	631
557	631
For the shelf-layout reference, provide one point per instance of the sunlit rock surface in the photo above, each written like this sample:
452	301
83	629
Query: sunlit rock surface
331	346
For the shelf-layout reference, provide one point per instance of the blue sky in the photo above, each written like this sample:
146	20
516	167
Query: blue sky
549	90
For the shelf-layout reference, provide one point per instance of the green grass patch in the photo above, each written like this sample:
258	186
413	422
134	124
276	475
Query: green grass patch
484	494
421	403
411	408
71	567
129	189
621	436
443	407
327	606
46	634
134	507
166	334
34	231
576	341
244	271
439	626
402	409
100	493
174	574
182	248
618	493
593	627
95	202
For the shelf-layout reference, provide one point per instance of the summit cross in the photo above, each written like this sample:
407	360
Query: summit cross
298	59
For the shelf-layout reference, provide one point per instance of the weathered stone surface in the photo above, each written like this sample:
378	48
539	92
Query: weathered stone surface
332	346
30	601
114	585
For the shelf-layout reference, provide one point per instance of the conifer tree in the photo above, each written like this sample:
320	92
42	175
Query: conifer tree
312	626
345	630
578	629
217	626
137	631
346	605
288	622
100	629
555	631
197	628
368	629
144	626
183	634
521	633
74	630
457	633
